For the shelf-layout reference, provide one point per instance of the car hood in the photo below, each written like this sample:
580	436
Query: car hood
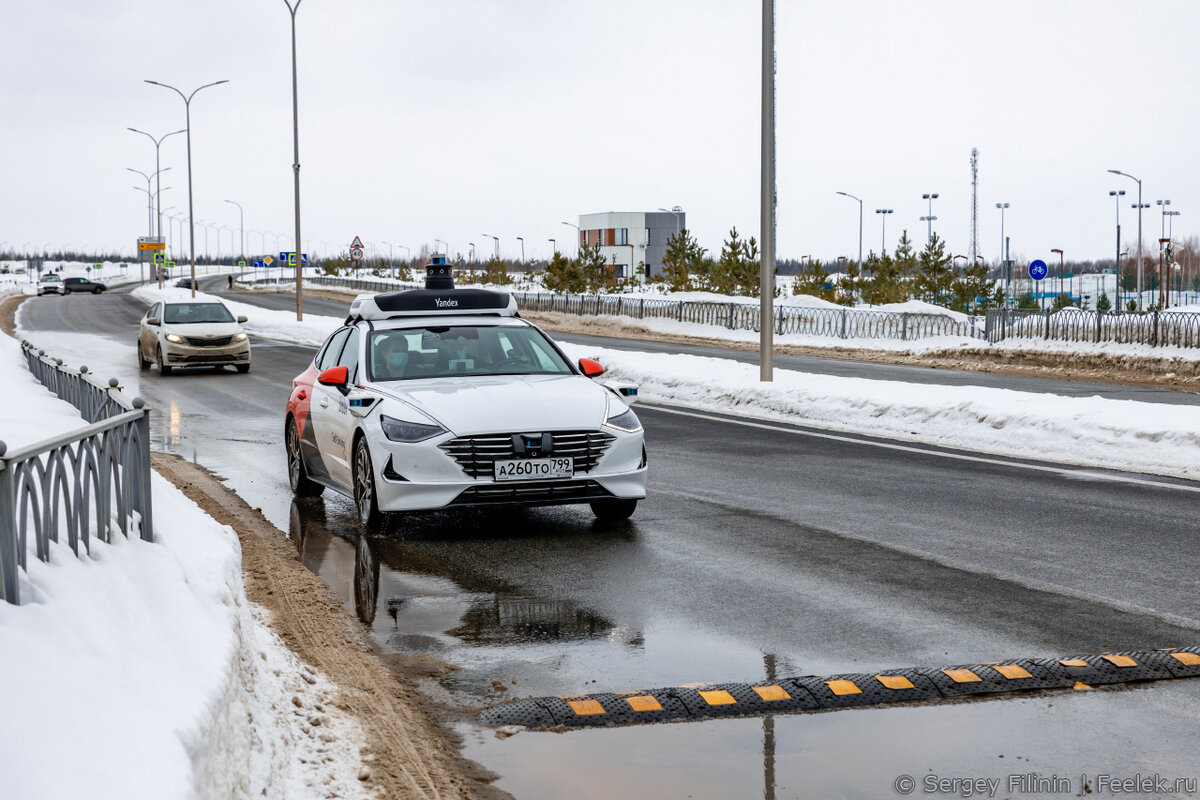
510	403
203	328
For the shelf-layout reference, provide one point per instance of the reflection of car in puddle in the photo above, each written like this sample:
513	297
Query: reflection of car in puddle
490	616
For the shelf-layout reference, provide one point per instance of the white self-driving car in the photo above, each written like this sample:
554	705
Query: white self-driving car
441	398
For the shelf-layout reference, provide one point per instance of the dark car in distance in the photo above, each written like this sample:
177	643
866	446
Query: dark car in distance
82	285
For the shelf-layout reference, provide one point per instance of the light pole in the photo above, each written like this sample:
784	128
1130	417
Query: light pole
1060	274
1162	204
766	198
860	213
437	242
522	241
241	227
157	143
390	259
187	105
292	9
553	246
471	257
576	227
150	196
676	211
1140	205
1003	256
931	196
1117	194
171	218
883	212
497	241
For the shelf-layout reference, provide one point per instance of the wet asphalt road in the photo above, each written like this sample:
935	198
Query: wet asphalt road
759	552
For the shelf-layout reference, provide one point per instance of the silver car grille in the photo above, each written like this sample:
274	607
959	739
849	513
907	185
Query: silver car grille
477	454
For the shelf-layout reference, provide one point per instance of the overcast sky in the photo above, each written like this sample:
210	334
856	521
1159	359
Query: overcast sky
450	119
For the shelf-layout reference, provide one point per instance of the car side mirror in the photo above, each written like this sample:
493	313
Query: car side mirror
334	376
241	319
590	367
152	321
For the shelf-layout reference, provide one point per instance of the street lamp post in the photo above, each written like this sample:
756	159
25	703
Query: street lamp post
1060	275
496	239
1162	204
1140	205
157	170
553	245
187	105
1006	271
150	196
1117	194
860	213
292	9
931	196
576	227
522	241
241	228
676	211
883	212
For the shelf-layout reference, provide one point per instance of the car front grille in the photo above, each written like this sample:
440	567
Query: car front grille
477	454
533	493
209	341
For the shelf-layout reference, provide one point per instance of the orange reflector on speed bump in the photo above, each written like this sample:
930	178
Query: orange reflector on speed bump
771	692
962	675
1120	661
644	703
1012	671
1072	662
895	681
842	686
717	697
1190	659
585	707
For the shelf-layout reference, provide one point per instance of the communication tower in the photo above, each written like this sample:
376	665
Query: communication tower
974	251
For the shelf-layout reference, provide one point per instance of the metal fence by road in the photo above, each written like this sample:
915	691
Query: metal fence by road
87	482
1155	328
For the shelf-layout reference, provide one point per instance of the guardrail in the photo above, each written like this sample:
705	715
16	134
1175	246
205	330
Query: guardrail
839	323
1155	328
97	477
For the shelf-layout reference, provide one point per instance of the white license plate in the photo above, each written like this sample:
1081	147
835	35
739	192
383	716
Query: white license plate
526	469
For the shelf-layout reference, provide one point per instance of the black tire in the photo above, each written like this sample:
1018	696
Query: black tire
242	368
143	364
66	291
302	485
369	516
95	291
163	369
608	510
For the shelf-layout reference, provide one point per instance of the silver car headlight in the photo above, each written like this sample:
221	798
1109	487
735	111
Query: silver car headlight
175	338
399	430
239	337
625	421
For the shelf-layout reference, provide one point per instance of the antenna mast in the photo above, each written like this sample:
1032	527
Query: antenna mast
973	253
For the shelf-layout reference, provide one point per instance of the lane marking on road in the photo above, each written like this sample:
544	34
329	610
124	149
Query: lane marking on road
904	448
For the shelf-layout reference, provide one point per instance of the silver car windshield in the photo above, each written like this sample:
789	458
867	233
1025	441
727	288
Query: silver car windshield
195	313
461	350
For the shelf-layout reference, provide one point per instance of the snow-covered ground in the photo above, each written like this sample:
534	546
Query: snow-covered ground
141	670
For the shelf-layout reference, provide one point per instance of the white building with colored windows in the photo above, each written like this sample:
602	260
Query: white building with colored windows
633	242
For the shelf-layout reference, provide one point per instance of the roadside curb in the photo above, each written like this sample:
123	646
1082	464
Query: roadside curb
817	693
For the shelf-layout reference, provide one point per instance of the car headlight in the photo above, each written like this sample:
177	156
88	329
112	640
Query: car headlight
399	430
174	337
625	421
239	337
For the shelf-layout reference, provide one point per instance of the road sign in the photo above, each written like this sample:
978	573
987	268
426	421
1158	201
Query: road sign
356	253
260	263
357	243
267	260
151	243
160	258
1037	269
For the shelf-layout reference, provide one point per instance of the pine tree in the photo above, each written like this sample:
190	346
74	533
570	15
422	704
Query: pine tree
597	275
814	281
495	272
972	289
849	285
564	275
906	266
934	275
1104	304
683	261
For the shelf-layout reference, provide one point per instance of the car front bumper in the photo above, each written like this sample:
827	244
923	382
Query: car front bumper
183	355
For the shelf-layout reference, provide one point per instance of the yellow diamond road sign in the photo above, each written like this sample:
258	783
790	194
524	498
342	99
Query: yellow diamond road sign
267	260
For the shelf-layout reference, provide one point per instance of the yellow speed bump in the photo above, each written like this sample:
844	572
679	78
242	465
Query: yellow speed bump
842	686
771	692
962	675
1190	659
584	708
1120	661
895	682
1072	662
717	697
1012	671
643	703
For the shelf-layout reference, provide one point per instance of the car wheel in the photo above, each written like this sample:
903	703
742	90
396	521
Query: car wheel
369	515
163	369
143	364
302	485
66	291
613	509
95	291
242	368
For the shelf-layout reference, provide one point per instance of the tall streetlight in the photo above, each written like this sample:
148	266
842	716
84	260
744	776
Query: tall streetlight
553	246
497	241
522	241
883	212
1004	256
930	196
187	105
677	211
157	143
471	257
437	242
292	9
1139	207
151	196
576	227
241	227
1171	223
767	199
1162	204
390	245
1060	272
1117	194
860	213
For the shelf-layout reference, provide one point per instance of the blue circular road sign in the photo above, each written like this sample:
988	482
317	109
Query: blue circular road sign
1037	269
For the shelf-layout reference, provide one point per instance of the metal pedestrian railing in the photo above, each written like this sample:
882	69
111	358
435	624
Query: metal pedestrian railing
1154	328
87	482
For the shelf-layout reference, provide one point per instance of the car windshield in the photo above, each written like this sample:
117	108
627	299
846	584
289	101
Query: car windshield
195	313
50	278
446	351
